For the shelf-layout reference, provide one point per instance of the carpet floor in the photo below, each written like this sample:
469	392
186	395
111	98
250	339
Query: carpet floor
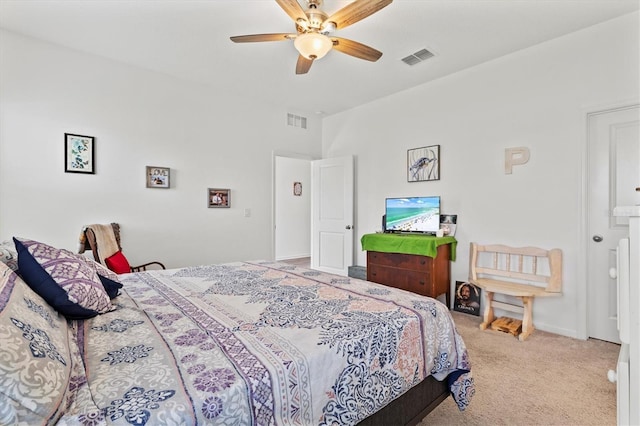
546	380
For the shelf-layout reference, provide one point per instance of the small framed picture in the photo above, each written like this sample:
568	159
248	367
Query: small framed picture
467	298
79	154
448	223
297	189
423	163
158	177
217	198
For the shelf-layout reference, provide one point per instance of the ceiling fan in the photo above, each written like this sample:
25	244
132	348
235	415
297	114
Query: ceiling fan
313	27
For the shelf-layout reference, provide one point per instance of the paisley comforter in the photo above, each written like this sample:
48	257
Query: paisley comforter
256	343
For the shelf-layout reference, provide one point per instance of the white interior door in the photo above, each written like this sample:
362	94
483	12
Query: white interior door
613	175
332	215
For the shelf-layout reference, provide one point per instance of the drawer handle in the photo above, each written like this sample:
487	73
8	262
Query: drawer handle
421	282
422	262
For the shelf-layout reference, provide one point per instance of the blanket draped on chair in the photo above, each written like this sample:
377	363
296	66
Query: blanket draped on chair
105	241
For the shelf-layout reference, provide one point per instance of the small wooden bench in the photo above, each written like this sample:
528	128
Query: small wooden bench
525	273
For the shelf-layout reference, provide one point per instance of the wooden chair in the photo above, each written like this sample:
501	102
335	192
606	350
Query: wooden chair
525	273
91	242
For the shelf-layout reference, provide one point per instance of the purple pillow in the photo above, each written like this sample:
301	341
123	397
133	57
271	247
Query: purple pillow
8	255
63	279
109	279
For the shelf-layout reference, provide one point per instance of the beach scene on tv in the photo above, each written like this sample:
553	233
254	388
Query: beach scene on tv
416	214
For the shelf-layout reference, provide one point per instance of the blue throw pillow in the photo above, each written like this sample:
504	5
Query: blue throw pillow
110	286
66	282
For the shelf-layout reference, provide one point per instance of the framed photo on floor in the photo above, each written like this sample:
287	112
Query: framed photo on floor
467	298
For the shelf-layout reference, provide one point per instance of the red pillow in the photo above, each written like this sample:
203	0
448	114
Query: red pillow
118	263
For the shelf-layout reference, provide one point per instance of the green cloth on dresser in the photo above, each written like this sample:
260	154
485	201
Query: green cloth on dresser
424	245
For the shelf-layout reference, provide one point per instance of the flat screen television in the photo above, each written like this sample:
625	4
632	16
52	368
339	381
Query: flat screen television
412	214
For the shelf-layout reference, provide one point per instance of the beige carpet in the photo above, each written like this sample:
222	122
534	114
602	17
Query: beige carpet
545	380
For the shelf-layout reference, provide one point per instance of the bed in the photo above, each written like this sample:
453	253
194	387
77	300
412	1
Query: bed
240	343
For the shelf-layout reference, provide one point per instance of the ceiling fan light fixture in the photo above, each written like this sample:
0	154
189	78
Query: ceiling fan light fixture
313	45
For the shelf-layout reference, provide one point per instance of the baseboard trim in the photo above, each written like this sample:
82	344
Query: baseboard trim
295	256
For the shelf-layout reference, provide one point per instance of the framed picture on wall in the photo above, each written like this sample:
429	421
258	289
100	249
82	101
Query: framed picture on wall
158	177
423	164
79	154
218	198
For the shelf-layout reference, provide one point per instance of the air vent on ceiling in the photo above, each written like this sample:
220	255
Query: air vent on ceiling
296	121
417	57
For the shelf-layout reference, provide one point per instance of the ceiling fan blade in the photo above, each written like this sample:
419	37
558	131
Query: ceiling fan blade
356	49
303	65
262	37
356	11
293	9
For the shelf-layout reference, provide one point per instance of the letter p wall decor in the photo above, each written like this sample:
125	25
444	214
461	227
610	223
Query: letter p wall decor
515	157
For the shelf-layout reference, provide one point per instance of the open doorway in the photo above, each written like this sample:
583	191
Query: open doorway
292	207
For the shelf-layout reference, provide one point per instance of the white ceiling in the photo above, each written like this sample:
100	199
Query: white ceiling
189	39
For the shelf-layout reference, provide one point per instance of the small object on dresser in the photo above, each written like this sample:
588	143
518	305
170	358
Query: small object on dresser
448	223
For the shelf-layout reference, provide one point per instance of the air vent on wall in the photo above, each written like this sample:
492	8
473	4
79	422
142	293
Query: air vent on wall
417	57
296	121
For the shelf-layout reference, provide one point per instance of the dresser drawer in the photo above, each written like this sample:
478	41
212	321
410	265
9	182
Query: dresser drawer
405	279
398	260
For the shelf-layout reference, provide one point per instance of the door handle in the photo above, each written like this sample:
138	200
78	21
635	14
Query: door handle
347	227
598	238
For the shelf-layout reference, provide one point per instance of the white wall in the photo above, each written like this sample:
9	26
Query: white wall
292	212
139	118
535	98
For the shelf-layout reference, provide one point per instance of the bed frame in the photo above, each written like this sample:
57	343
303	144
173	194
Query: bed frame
411	407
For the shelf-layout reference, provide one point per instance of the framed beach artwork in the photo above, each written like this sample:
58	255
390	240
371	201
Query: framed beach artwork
79	154
218	198
158	177
423	164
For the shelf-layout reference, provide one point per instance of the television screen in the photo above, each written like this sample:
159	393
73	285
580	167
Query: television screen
412	214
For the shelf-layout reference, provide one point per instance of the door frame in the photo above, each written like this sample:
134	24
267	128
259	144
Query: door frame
582	328
286	154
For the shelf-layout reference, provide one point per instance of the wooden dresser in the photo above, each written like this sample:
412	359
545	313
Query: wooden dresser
418	273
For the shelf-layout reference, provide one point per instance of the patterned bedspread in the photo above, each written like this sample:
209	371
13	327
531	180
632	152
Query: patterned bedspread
264	343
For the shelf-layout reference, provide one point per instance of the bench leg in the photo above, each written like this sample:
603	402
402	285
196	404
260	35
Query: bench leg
488	310
527	318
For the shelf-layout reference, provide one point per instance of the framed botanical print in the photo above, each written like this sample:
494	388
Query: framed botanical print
79	154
